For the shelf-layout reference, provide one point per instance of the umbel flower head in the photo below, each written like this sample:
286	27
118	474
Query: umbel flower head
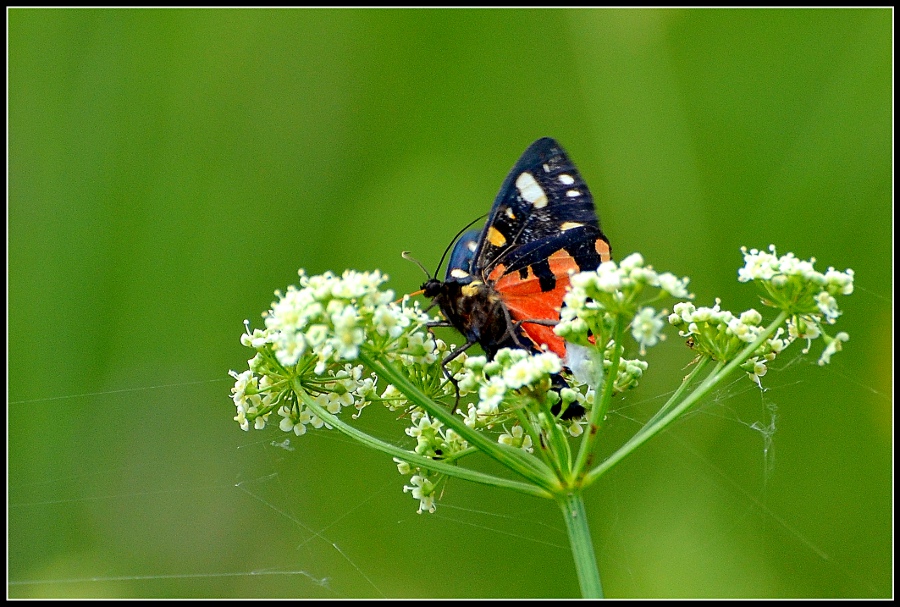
808	296
597	300
315	333
335	342
318	335
787	283
794	285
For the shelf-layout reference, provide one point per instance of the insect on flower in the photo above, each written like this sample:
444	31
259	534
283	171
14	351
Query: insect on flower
505	283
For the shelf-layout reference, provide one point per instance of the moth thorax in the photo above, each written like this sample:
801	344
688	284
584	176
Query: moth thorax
472	289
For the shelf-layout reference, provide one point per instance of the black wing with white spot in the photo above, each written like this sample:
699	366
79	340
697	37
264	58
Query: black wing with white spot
542	199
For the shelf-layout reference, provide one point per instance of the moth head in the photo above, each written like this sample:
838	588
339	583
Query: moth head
432	287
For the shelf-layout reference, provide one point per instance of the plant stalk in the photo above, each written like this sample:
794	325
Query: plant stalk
572	506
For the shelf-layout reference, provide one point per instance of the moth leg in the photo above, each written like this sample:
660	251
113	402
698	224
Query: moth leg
518	326
546	323
430	325
438	323
450	377
512	329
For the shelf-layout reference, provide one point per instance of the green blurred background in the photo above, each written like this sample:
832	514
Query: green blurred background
169	169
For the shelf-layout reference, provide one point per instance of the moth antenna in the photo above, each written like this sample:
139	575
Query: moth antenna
458	234
405	255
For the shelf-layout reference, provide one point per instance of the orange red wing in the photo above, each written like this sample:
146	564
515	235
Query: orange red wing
526	300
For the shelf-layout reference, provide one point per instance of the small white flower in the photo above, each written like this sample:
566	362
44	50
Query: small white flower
516	438
518	375
241	419
402	467
674	286
839	282
389	322
576	428
635	260
244	383
422	489
290	346
751	317
833	346
491	395
758	369
287	425
646	328
809	331
828	306
743	331
645	276
609	279
682	311
316	335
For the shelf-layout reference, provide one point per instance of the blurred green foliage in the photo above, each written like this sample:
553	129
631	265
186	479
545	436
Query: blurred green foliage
169	169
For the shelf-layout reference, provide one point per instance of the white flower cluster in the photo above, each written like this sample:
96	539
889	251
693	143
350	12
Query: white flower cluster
422	487
630	371
721	335
504	381
744	328
510	370
253	399
314	334
327	316
432	438
614	290
794	285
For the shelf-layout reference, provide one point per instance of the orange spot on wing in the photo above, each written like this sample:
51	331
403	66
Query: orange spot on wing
495	237
603	250
497	272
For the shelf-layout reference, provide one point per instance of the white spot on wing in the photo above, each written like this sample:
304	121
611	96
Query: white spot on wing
472	245
458	273
566	179
573	193
570	225
546	168
531	191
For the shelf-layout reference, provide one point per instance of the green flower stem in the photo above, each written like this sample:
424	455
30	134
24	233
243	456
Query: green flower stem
719	373
673	400
540	445
516	460
572	506
555	445
411	457
586	448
